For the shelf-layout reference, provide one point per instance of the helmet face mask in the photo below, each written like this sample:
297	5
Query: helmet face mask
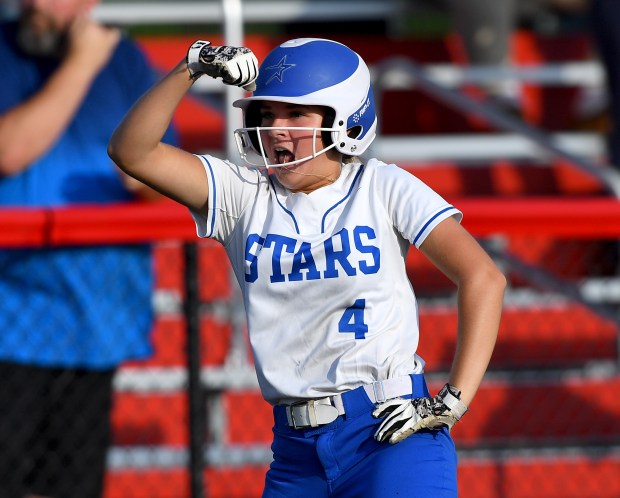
256	155
316	72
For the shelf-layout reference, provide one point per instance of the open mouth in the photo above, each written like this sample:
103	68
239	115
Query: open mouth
283	156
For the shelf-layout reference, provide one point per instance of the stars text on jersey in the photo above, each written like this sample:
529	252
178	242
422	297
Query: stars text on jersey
346	252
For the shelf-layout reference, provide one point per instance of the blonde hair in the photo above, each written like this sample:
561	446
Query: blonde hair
351	159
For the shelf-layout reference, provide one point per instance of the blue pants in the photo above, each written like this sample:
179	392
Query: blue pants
343	460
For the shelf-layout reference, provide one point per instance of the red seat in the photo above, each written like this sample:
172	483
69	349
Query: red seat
170	342
168	265
227	482
147	483
531	413
536	337
240	429
553	412
538	476
505	178
150	419
162	419
215	274
535	476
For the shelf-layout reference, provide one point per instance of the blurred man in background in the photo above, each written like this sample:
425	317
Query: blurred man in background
605	23
70	315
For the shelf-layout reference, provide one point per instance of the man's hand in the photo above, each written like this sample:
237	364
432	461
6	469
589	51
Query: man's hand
235	65
403	417
91	44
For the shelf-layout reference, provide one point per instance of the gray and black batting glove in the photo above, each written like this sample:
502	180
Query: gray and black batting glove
236	66
403	417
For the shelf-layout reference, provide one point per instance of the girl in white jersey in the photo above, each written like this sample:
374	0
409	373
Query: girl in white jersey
317	239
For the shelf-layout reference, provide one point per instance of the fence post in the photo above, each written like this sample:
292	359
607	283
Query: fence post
195	392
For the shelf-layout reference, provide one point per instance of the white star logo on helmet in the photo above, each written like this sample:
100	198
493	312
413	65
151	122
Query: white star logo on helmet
279	68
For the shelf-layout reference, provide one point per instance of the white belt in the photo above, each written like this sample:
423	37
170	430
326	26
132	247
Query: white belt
317	412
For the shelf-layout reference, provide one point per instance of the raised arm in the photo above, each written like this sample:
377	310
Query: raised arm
137	149
136	145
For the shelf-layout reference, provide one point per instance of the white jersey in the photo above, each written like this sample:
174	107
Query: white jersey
328	301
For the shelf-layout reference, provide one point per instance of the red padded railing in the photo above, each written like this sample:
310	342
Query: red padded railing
140	222
95	224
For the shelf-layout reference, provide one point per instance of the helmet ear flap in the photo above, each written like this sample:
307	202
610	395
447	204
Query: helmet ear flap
252	118
328	122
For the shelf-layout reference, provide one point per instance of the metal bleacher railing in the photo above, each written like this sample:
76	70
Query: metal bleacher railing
394	73
232	15
400	72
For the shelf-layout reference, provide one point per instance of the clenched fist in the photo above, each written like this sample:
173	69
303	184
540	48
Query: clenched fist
235	65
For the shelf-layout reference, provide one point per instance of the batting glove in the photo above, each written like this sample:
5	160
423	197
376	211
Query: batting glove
403	417
235	65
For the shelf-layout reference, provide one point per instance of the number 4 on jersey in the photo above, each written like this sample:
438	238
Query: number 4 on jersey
352	319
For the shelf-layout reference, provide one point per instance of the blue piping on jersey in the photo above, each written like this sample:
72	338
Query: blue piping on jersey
341	200
282	206
429	222
212	228
357	175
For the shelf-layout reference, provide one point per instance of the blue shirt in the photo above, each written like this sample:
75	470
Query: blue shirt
82	307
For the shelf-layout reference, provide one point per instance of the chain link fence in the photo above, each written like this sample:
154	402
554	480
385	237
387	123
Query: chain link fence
189	421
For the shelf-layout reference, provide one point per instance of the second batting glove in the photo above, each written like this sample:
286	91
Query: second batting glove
235	65
403	417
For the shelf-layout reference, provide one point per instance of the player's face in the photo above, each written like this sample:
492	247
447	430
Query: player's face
284	145
44	23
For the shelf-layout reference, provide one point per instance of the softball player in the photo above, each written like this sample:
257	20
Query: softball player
317	238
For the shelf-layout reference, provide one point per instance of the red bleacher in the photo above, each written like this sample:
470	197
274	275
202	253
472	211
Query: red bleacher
170	342
538	477
245	482
523	412
521	407
541	337
150	419
505	179
213	266
531	412
202	127
541	477
528	338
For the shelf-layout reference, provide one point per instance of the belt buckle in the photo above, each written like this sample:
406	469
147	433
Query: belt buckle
311	410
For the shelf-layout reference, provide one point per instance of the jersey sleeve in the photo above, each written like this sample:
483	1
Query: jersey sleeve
414	208
232	189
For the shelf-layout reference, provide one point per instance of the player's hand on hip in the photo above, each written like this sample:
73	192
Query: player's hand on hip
403	417
235	65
